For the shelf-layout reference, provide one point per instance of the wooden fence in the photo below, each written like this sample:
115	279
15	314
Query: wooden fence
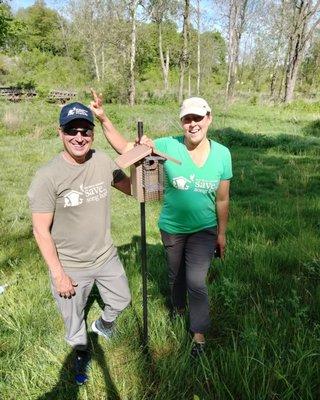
16	94
61	96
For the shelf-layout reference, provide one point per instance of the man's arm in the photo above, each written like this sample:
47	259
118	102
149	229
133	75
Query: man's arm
222	207
117	141
41	229
114	137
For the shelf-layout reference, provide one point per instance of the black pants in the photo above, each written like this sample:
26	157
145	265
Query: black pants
189	256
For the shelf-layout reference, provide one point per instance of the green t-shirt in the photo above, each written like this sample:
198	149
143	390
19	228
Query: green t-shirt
79	198
189	196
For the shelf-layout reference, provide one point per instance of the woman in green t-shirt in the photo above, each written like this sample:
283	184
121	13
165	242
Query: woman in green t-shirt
194	215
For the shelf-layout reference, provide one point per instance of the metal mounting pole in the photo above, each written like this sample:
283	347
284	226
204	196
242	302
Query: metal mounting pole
144	270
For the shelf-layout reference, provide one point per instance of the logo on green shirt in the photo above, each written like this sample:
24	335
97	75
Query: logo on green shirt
195	184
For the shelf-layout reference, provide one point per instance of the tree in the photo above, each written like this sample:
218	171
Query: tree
42	28
96	24
304	23
311	66
11	31
213	60
184	56
278	30
5	19
198	47
159	11
133	4
236	21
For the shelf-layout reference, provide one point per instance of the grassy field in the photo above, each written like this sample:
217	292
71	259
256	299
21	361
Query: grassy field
265	298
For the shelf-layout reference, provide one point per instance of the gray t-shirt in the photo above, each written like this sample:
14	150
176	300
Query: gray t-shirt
79	197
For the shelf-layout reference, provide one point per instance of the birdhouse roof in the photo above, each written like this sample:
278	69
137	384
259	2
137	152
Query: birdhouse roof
138	153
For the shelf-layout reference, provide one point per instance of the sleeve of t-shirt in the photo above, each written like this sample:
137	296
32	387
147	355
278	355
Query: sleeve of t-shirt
227	165
161	144
117	173
41	194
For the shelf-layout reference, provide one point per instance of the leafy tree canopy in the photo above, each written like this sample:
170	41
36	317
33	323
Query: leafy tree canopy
5	21
42	28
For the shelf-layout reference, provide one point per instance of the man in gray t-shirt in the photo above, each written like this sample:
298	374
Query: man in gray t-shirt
70	203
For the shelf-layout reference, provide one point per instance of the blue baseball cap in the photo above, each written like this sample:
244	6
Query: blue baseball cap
74	111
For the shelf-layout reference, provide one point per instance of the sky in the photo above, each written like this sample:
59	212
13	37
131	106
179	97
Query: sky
207	6
16	4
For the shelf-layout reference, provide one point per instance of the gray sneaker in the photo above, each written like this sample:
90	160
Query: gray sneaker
98	327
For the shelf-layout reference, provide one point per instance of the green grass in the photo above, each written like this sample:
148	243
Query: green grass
265	299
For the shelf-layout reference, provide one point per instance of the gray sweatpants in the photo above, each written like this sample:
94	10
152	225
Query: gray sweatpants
112	284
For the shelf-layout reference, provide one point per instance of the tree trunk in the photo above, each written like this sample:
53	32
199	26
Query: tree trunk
166	72
277	61
291	76
184	54
274	77
315	72
273	80
164	62
298	40
198	48
132	87
282	82
295	51
95	62
103	63
237	14
232	51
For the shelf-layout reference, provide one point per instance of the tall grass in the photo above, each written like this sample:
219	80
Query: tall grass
264	297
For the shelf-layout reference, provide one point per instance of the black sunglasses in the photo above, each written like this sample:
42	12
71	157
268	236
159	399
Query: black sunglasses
85	132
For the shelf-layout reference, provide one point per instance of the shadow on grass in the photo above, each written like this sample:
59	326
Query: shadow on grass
312	129
287	143
157	270
158	284
130	255
66	388
157	361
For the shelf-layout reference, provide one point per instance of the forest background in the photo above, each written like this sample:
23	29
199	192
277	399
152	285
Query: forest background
157	51
257	64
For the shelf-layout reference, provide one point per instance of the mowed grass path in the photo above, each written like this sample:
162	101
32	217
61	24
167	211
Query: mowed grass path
265	297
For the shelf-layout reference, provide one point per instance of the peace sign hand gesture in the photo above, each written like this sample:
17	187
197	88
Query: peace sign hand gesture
96	106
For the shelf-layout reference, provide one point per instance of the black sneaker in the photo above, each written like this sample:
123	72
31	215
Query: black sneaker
81	365
198	349
177	313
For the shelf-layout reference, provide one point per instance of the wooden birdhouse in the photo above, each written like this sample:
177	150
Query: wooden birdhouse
146	171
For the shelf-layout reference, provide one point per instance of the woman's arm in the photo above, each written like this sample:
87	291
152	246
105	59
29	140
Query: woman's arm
222	208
